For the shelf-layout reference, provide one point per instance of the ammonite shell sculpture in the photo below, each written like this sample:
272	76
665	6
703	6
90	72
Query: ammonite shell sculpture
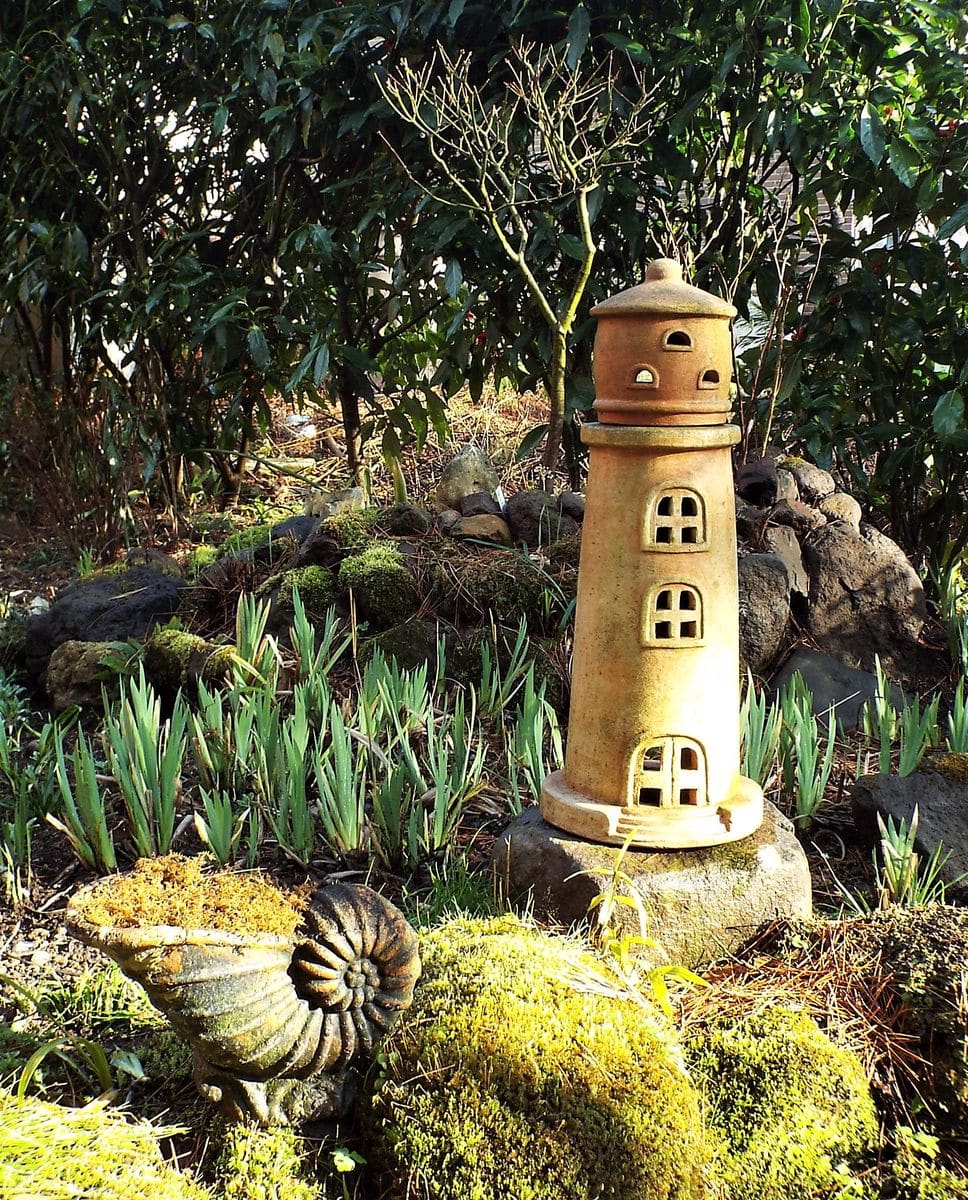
270	1007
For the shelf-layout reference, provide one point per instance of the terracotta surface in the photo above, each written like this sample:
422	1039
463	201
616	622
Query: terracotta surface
653	742
663	354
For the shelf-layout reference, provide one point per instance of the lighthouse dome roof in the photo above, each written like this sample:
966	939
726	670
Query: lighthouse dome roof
664	291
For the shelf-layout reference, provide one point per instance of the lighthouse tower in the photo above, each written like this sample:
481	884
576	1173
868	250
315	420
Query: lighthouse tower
653	735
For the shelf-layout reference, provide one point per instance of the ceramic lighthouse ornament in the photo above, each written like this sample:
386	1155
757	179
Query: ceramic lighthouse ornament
653	735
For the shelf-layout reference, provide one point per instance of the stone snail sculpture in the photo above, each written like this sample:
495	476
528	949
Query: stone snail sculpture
277	1025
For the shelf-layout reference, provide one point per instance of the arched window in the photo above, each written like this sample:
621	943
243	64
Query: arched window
645	376
709	380
672	615
669	772
675	519
677	339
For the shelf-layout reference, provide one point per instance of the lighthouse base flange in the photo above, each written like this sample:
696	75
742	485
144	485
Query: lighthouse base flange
644	826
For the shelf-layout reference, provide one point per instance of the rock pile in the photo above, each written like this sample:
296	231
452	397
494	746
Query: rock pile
810	569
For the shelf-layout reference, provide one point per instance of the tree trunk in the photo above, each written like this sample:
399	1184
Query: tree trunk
556	397
349	403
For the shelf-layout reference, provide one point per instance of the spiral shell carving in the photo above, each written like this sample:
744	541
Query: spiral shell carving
268	1007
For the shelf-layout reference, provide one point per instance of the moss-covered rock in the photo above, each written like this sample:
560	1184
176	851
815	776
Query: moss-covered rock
790	1105
411	644
77	674
383	589
505	584
512	1076
175	658
316	587
349	528
924	951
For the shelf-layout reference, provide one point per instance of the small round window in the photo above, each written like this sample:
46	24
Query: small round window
644	376
709	379
677	339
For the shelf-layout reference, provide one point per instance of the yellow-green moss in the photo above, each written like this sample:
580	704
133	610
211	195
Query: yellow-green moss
315	585
789	1104
50	1151
246	539
174	890
916	1177
512	1076
384	591
111	571
173	658
199	558
953	766
350	527
264	1164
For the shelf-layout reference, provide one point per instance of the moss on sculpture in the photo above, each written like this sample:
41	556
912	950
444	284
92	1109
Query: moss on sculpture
789	1104
174	890
513	1076
383	589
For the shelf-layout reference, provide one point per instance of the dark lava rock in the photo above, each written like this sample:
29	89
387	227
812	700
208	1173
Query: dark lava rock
109	608
756	482
480	504
406	520
536	519
764	610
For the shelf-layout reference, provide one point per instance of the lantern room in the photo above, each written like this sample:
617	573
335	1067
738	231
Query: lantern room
653	741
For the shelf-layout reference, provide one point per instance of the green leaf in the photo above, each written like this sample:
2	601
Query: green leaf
872	134
949	414
321	365
574	247
453	278
258	347
530	441
220	119
579	27
277	48
800	17
958	220
905	162
177	21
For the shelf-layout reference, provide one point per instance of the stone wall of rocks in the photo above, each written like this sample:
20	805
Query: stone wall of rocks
812	572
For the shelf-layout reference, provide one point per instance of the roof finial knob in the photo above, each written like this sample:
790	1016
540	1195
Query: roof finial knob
664	268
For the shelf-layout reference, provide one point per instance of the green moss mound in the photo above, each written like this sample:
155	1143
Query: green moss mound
50	1151
512	1077
174	658
384	590
315	585
350	528
264	1164
790	1105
